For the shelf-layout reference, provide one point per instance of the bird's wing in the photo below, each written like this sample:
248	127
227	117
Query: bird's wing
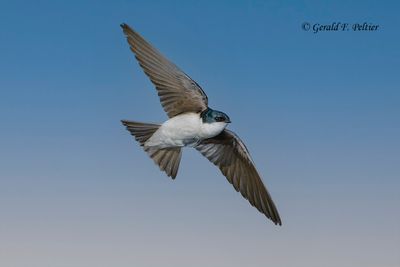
230	154
177	91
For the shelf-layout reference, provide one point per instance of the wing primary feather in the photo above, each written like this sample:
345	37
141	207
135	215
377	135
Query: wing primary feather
184	93
229	153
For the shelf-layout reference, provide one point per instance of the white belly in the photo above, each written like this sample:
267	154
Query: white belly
183	130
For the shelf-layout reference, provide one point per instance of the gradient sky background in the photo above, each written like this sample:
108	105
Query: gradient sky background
320	114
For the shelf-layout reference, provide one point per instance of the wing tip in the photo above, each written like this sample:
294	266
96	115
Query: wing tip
126	29
275	219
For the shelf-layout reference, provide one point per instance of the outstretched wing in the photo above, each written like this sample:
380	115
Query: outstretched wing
230	154
177	91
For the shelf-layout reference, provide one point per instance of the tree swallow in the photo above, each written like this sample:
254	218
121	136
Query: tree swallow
192	123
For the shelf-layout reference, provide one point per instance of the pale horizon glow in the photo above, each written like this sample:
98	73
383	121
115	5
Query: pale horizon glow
318	112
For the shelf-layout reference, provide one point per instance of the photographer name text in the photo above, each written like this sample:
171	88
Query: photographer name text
340	27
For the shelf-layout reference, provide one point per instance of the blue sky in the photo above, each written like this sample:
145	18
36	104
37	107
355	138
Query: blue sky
319	113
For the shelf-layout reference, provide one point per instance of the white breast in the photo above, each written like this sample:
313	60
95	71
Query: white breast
184	130
208	130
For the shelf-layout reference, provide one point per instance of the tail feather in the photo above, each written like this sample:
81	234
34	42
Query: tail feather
167	159
141	131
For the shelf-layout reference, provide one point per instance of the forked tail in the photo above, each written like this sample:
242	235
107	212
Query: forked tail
167	159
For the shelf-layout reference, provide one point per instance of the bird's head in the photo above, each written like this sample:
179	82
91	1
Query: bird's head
209	116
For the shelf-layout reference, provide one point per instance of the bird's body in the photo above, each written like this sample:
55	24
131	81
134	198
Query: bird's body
187	129
193	123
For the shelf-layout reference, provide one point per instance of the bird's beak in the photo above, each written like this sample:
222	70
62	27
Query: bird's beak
228	121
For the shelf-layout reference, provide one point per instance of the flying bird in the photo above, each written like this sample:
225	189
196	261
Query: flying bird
192	123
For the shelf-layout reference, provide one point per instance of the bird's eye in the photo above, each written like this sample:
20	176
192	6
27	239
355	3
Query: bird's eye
219	119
